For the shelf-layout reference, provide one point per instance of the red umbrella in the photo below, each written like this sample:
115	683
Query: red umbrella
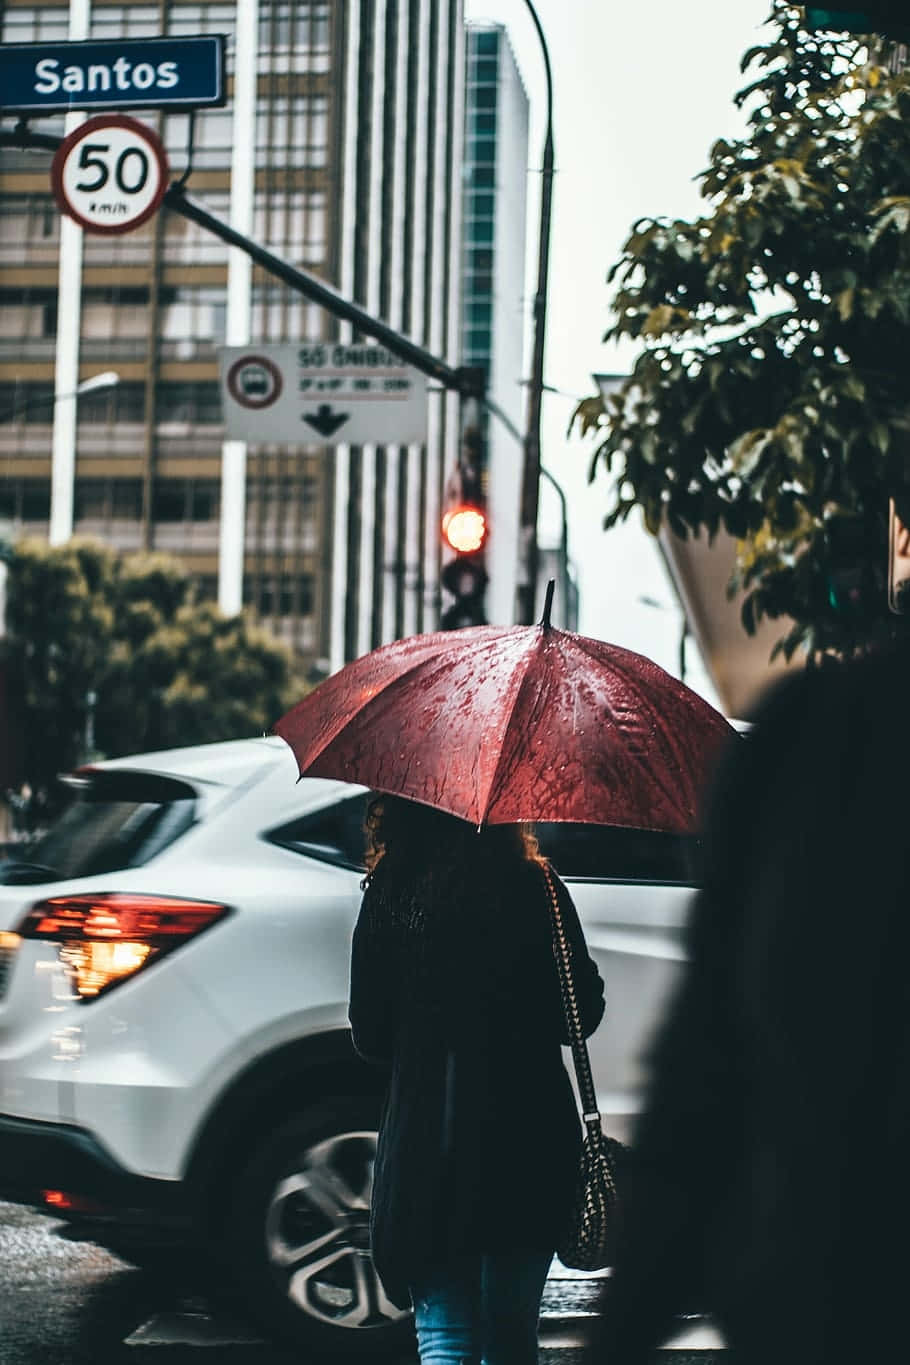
498	725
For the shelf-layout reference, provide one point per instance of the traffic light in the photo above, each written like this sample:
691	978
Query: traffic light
464	529
887	17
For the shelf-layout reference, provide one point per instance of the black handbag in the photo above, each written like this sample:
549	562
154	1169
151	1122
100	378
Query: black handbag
589	1239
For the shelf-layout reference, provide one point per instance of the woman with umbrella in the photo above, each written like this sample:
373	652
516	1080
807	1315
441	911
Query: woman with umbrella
454	980
454	986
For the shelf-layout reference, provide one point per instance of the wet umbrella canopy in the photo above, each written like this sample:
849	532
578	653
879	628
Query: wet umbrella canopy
497	725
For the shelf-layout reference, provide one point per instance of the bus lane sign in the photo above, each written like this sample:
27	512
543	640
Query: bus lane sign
322	393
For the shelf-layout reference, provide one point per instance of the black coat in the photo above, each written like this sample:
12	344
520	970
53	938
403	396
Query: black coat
458	994
770	1182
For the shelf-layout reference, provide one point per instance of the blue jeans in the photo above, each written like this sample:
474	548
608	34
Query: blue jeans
481	1309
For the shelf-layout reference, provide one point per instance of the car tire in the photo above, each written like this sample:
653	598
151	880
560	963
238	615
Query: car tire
298	1233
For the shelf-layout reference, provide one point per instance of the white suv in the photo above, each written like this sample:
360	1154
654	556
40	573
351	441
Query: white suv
175	1061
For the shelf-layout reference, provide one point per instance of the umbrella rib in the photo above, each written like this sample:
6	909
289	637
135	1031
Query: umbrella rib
342	720
492	792
483	805
644	702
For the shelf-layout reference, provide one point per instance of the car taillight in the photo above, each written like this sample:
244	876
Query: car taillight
108	937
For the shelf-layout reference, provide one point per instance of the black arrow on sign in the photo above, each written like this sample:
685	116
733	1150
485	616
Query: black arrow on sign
325	421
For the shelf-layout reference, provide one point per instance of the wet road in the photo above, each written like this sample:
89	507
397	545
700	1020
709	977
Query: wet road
64	1303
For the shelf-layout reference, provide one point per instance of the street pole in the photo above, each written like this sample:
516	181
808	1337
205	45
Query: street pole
530	487
563	540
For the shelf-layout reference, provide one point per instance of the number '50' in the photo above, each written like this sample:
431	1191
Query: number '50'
131	169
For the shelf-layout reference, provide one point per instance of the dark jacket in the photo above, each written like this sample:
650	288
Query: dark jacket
455	988
769	1182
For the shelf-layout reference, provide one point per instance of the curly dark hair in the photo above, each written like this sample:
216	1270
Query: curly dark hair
408	832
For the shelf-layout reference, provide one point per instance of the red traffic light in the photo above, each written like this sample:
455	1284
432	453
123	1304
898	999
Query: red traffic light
464	529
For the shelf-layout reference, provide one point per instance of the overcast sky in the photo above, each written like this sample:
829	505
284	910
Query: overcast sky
641	91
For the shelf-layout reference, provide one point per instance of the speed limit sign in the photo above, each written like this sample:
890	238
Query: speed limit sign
110	174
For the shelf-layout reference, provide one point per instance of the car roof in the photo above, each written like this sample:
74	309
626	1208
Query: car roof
220	772
228	763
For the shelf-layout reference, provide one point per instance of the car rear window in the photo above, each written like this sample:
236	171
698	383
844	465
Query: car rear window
110	820
335	834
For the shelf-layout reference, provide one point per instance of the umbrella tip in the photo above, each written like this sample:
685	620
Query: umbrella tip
548	603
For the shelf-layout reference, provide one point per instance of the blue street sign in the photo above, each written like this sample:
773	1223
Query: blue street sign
110	73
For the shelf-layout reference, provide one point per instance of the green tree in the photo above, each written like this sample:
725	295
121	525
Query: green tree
165	670
770	394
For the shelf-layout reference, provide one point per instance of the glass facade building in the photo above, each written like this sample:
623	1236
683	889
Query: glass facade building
495	312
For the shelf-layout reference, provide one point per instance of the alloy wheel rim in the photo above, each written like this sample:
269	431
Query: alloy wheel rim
317	1234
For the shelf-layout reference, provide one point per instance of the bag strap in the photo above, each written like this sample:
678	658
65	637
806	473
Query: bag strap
589	1108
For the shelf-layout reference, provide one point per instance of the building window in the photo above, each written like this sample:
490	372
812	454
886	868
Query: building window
479	229
107	407
126	499
187	243
272	498
45	24
29	229
90	499
486	44
130	248
192	313
293	225
169	500
126	21
21	321
279	314
479	204
281	595
479	260
483	71
301	27
477	342
36	500
212	138
205	496
24	500
481	177
293	130
188	20
31	403
482	123
116	316
189	404
482	151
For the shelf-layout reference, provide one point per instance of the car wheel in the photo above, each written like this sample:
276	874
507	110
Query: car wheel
299	1233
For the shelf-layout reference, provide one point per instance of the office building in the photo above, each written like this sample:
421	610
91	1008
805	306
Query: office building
340	149
495	309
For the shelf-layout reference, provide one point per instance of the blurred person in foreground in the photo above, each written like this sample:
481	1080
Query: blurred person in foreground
454	986
770	1178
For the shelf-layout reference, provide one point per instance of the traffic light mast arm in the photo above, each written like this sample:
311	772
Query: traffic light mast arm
465	380
888	18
